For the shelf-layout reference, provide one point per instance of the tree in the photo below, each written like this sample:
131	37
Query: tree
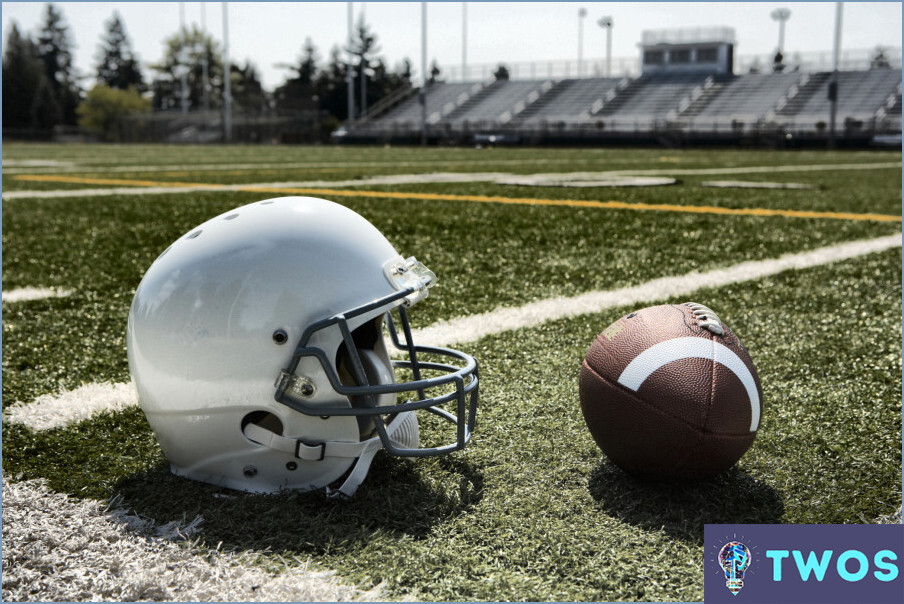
307	68
332	87
364	47
23	77
53	47
185	52
501	73
117	66
104	109
299	93
246	89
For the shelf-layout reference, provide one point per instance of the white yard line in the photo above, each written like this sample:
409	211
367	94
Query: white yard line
25	294
469	329
139	168
57	548
58	410
60	193
766	169
50	411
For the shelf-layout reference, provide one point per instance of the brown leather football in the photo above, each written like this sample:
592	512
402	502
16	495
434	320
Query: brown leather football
669	392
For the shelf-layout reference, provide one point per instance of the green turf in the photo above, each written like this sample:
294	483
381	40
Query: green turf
531	510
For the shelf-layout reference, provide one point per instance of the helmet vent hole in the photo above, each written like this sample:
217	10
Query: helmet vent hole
265	420
231	217
194	235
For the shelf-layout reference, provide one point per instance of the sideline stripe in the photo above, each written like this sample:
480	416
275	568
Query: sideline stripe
612	205
80	404
73	168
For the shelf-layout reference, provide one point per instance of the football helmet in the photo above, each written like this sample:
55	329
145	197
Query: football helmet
258	346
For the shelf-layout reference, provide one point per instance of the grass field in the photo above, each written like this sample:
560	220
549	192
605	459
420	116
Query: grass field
531	510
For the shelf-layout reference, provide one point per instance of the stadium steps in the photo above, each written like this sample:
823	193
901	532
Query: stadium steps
815	83
622	97
895	108
389	102
550	97
709	92
473	101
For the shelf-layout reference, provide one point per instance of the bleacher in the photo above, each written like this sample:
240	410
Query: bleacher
441	98
687	105
860	95
654	98
570	98
502	101
746	99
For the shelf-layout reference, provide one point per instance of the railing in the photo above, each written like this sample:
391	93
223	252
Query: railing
850	60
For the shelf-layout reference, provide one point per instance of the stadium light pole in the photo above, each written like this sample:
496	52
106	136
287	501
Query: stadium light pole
582	12
464	41
606	23
423	96
833	84
350	73
183	68
205	62
781	15
227	79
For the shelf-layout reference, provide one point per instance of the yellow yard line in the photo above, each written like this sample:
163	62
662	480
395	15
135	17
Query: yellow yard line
578	203
581	203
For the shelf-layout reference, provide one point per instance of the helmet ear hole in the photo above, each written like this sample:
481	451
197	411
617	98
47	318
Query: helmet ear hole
265	420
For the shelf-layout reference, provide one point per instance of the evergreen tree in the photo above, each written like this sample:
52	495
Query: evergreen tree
246	89
299	93
54	50
23	76
307	69
117	66
364	47
332	87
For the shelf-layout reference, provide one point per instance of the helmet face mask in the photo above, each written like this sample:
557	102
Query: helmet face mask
259	350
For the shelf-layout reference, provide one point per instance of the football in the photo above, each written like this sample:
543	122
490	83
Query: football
669	392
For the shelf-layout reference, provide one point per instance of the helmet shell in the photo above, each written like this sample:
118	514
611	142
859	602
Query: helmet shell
203	336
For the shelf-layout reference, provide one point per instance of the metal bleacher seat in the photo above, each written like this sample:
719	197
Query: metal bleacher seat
747	98
442	98
652	98
570	100
507	100
860	94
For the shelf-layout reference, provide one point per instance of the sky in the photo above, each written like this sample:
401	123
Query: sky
272	34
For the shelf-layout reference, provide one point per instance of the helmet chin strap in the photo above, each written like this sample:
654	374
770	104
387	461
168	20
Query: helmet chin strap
403	431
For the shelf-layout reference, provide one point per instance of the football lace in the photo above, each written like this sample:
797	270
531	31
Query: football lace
706	318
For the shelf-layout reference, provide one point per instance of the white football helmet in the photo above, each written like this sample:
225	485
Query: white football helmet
256	342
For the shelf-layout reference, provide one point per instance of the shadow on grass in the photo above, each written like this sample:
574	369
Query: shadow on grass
395	499
681	509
